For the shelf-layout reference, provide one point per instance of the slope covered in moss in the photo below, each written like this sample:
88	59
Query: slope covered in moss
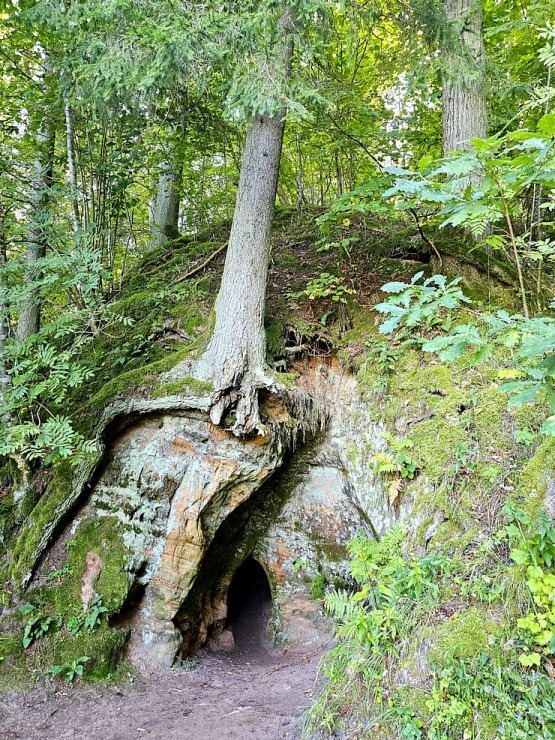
464	442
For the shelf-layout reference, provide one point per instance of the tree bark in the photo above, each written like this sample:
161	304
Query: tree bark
29	316
4	326
237	351
464	93
236	356
75	196
164	225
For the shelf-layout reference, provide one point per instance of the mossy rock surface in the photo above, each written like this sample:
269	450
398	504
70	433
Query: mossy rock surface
95	539
23	556
103	646
463	636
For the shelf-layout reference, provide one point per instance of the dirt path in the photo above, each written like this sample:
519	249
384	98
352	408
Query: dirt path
256	692
220	698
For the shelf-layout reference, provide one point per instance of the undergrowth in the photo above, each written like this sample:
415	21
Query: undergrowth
434	647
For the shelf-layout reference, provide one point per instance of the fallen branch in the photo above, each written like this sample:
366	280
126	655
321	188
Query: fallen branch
198	268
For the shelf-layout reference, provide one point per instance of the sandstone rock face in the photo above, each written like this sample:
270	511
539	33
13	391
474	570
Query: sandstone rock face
338	497
171	481
190	501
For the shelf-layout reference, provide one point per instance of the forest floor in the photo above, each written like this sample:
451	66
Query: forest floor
256	691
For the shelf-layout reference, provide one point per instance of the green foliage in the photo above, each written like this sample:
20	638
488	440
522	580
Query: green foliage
318	587
327	286
480	678
389	582
58	573
88	621
483	190
483	698
530	345
534	538
36	624
43	373
397	461
72	670
421	306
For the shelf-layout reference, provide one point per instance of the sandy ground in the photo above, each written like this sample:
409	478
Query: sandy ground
254	692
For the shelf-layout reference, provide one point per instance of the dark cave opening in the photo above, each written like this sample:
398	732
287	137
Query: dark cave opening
249	606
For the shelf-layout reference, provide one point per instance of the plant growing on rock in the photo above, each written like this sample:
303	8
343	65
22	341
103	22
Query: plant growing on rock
72	670
397	462
535	540
530	346
36	625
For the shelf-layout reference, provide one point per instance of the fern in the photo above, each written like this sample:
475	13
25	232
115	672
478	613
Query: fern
338	604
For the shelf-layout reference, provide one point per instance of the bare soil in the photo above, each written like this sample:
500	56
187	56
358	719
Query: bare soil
220	698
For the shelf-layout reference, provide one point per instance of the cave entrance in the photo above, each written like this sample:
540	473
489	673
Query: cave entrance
249	607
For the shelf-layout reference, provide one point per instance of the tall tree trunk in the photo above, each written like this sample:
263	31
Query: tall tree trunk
75	198
4	326
300	175
236	356
29	315
464	94
164	225
237	351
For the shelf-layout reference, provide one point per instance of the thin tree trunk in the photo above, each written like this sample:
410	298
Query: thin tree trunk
77	221
236	356
300	175
464	94
4	327
6	416
29	316
165	208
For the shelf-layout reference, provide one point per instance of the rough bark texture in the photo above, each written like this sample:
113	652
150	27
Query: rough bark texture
236	356
29	316
464	93
165	204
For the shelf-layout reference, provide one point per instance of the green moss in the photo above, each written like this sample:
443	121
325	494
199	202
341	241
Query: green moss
141	380
274	336
289	380
414	698
10	645
44	513
318	587
14	673
103	647
103	537
434	404
286	259
422	530
183	385
489	419
451	536
463	636
8	512
536	477
331	551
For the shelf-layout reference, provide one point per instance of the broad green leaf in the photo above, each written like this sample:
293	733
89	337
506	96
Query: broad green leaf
530	659
546	124
548	427
394	287
521	557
